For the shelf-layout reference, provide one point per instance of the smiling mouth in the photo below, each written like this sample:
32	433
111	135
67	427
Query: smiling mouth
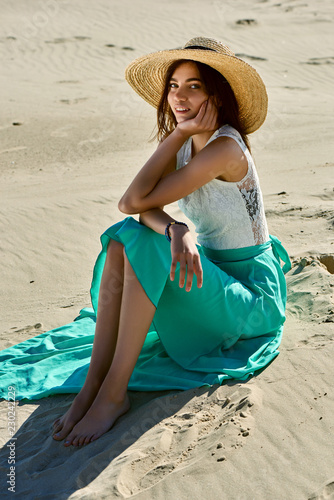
181	109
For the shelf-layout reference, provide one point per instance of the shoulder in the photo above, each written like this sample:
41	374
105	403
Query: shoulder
229	131
223	146
230	155
235	137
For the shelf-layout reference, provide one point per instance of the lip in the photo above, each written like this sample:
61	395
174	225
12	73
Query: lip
181	110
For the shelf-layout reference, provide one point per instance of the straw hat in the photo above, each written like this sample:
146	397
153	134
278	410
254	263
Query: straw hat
146	75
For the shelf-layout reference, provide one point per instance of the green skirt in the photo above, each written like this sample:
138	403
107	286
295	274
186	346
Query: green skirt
229	328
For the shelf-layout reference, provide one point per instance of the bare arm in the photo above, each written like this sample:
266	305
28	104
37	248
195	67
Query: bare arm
183	247
152	188
217	159
158	184
151	173
156	219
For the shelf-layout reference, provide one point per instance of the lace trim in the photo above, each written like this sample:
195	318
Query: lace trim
228	199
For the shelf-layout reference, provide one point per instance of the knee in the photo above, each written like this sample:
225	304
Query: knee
115	249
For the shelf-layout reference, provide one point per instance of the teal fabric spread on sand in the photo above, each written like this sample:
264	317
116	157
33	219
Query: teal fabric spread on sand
230	328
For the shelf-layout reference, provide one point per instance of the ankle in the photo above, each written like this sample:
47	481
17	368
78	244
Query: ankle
113	395
92	386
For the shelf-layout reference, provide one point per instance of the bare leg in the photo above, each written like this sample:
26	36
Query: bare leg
105	338
111	402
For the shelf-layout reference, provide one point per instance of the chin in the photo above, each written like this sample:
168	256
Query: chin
181	119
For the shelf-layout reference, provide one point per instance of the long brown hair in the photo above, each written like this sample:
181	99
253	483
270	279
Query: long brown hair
216	86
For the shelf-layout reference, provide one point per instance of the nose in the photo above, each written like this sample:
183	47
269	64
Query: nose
179	94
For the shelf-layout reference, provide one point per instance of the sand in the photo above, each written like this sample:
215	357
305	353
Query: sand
73	135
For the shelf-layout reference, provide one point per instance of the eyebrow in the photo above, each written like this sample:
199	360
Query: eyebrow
188	80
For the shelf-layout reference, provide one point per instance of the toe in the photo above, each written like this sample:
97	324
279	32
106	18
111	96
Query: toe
63	431
56	422
69	439
86	440
95	437
75	440
81	440
60	435
57	428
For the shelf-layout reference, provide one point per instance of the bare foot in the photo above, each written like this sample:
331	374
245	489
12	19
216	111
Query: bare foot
98	420
80	405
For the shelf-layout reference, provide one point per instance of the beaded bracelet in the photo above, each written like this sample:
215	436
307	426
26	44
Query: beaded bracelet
167	233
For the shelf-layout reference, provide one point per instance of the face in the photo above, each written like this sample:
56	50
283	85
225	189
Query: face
186	92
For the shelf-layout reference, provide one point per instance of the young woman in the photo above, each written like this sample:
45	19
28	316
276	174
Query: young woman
172	314
208	302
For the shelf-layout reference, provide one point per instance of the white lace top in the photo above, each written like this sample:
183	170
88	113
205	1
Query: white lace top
226	214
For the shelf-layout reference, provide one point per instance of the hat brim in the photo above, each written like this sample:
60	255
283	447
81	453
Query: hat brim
147	74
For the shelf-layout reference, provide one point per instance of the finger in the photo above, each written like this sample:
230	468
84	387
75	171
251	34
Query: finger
211	112
202	111
173	268
209	105
198	271
182	271
204	105
209	119
213	104
190	274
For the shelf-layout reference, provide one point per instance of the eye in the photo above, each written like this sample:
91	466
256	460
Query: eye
195	86
172	85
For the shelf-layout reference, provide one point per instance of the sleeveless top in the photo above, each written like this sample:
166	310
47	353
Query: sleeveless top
226	215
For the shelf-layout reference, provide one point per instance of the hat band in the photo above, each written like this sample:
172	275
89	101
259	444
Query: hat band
198	47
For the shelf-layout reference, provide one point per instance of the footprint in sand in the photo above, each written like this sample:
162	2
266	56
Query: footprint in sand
289	87
213	423
57	40
252	58
112	45
38	328
21	334
325	492
246	22
320	60
73	101
316	341
68	81
64	40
